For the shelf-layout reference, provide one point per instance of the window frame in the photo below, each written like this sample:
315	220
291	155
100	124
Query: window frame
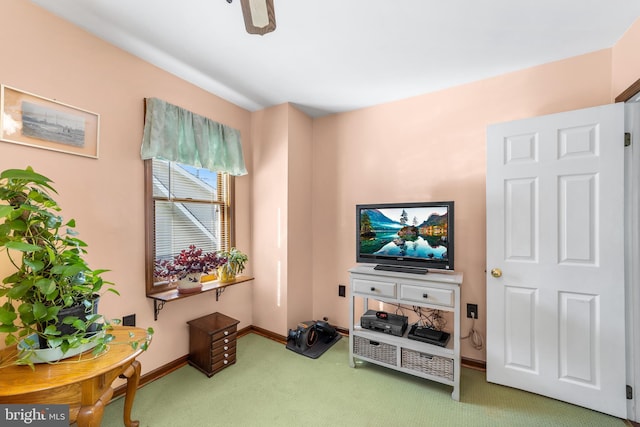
151	287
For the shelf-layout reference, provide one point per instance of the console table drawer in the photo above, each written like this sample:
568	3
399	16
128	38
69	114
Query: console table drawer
374	288
427	295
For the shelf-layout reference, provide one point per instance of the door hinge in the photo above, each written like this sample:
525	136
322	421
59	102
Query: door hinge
627	139
629	392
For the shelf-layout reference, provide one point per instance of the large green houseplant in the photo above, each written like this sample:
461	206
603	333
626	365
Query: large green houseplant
50	273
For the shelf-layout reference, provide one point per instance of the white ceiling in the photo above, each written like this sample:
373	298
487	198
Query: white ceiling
329	56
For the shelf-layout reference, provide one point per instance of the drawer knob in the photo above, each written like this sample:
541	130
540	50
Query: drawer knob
226	348
226	355
226	332
226	361
425	295
373	289
226	340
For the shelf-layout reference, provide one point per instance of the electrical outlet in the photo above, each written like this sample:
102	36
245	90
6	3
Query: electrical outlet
129	320
472	308
341	291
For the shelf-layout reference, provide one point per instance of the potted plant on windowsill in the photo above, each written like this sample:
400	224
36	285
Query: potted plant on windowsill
187	268
51	275
234	264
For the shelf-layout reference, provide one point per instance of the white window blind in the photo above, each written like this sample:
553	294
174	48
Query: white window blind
191	207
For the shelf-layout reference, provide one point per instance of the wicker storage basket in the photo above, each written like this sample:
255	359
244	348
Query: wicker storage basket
427	364
385	353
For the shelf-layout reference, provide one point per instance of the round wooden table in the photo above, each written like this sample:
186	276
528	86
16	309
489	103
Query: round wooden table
83	382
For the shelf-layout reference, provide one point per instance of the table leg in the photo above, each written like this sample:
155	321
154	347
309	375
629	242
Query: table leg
91	416
132	374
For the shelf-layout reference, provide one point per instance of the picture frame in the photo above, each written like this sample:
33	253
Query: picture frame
35	121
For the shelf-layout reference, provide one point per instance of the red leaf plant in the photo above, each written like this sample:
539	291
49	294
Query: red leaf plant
192	260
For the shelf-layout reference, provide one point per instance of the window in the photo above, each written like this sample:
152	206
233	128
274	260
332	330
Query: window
185	206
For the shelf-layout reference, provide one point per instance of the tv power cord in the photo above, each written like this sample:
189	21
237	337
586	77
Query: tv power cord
477	342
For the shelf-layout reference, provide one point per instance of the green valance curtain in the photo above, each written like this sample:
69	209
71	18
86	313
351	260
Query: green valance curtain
175	134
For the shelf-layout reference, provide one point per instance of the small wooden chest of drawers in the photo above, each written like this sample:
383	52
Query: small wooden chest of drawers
212	342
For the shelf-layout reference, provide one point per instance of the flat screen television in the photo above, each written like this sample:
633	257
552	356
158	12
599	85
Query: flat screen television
412	237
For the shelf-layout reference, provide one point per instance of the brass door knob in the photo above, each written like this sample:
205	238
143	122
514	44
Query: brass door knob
496	272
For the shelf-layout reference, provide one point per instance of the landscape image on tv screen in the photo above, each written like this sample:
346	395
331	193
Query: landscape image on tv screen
409	232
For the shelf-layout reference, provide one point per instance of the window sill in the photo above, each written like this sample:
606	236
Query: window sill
161	298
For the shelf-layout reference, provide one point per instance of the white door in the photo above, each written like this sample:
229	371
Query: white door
555	257
632	170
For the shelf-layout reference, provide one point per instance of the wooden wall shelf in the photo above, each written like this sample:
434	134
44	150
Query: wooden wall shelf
161	298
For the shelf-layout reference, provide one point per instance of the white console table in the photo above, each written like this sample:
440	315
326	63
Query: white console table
438	291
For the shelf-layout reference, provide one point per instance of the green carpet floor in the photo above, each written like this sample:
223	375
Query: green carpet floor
272	386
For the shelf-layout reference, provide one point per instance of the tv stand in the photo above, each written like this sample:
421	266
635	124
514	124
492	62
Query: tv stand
400	269
436	291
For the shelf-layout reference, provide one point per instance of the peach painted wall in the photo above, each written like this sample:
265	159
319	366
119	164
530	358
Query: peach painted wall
430	147
626	60
281	218
269	129
299	285
47	56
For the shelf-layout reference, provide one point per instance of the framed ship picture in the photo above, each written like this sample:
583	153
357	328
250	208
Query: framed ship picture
32	120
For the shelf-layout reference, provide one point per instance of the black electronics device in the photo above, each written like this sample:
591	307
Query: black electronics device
382	321
428	335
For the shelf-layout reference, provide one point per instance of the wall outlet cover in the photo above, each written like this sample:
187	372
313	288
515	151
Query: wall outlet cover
472	308
129	320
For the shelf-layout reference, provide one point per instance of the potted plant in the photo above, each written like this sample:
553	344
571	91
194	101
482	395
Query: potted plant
234	264
187	268
51	276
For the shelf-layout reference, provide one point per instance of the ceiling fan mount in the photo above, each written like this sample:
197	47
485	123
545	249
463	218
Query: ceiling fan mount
259	16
